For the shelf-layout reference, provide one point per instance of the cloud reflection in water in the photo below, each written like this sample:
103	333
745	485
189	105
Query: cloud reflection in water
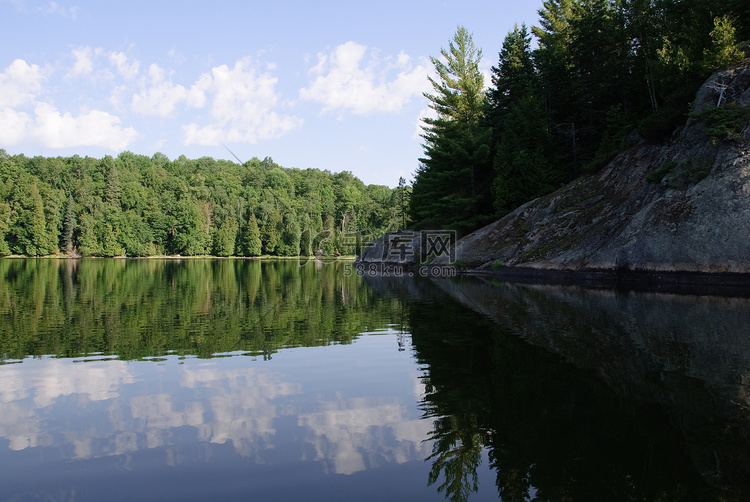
105	408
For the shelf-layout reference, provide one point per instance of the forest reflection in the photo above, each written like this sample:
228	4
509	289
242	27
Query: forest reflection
567	394
151	307
553	432
582	394
118	371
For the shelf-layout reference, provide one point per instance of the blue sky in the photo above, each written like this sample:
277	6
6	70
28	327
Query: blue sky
312	84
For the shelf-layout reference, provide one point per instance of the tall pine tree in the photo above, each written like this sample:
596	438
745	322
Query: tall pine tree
451	188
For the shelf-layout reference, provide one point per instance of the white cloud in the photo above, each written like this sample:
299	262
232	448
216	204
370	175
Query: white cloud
118	95
347	435
83	65
26	391
13	126
126	67
197	95
94	128
238	103
160	97
24	117
176	56
242	108
193	134
20	83
53	129
344	80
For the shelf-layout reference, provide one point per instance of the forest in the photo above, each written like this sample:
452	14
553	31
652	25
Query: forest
135	205
564	98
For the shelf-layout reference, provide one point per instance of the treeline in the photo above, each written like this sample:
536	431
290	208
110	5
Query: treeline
600	70
136	205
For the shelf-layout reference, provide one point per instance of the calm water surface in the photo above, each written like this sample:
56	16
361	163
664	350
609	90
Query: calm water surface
255	380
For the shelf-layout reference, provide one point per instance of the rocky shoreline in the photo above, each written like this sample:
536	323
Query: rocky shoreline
671	215
699	283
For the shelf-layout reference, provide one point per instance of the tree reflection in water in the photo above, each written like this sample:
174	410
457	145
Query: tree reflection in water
456	455
551	431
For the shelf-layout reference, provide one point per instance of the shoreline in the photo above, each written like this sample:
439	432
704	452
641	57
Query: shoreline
683	282
680	282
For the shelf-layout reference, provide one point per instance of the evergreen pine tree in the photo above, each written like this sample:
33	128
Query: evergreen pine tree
69	225
516	108
251	244
451	187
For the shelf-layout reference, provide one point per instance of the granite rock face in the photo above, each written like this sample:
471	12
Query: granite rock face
692	214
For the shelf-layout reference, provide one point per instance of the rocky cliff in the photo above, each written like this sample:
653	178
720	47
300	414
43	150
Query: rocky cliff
680	208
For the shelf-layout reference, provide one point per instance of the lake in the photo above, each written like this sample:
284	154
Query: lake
169	379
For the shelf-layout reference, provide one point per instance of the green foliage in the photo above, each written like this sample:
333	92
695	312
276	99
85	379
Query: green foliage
552	56
290	236
251	243
28	233
679	174
521	163
70	225
726	123
451	187
600	69
658	126
458	90
617	126
521	134
225	238
658	174
4	227
139	206
723	50
497	265
403	199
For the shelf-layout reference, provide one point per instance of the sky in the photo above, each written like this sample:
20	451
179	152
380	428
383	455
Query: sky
330	85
